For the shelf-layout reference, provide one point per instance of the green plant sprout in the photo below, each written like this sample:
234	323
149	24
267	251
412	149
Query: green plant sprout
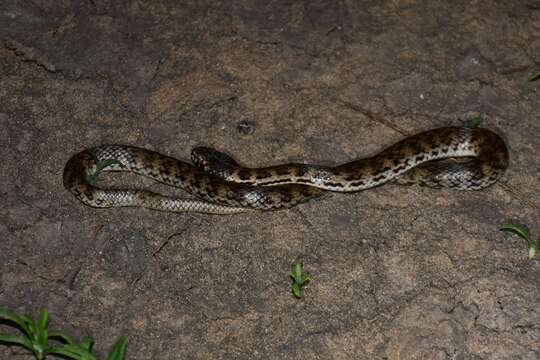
100	165
522	231
473	122
36	338
535	77
298	278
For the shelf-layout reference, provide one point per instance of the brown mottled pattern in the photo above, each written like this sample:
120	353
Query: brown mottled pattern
464	158
217	196
429	158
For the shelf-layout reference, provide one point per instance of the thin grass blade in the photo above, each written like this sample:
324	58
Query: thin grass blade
296	290
118	351
60	336
296	271
73	352
87	343
516	229
17	319
533	248
16	340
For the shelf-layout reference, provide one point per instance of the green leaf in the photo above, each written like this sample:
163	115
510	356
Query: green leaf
475	121
305	279
105	164
516	229
60	336
296	290
535	77
43	319
87	343
118	351
533	248
16	340
100	166
39	350
27	319
42	335
32	328
296	272
73	352
20	321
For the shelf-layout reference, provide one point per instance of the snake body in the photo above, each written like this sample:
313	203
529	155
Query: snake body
463	158
217	196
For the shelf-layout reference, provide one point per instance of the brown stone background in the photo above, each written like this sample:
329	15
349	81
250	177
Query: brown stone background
398	272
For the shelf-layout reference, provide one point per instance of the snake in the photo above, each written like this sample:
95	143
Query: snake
461	158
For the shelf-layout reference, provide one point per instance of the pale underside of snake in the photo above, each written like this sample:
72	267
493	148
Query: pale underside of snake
462	158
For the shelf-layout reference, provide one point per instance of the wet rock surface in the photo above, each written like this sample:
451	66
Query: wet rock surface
398	272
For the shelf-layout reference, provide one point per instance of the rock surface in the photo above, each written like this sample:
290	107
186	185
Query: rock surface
398	272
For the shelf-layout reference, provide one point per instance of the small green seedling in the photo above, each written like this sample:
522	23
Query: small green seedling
298	278
118	351
474	122
100	165
36	338
535	77
522	231
35	333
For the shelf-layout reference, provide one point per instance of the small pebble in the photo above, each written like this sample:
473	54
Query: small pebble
246	127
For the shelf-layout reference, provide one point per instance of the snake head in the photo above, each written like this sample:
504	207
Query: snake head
213	161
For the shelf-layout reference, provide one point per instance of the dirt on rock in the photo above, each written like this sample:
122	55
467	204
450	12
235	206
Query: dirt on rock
397	272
